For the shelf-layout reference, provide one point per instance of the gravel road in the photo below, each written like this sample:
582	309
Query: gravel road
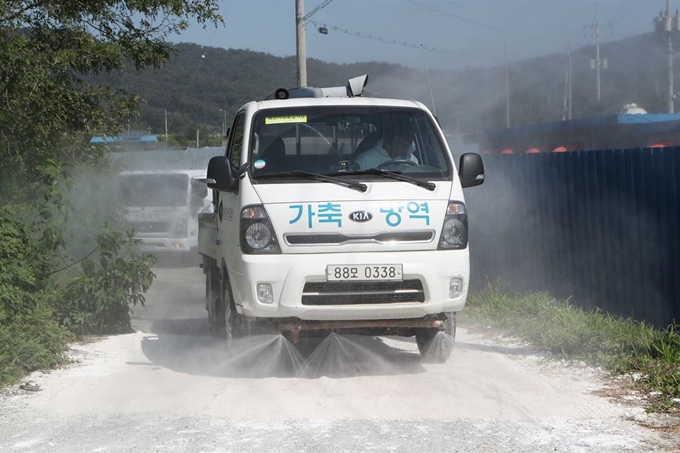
170	387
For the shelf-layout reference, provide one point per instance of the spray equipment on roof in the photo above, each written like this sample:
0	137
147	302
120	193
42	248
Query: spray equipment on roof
354	88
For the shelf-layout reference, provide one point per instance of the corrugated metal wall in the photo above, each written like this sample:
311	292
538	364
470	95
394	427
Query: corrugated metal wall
601	227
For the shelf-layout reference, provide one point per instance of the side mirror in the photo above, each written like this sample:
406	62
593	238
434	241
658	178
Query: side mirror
220	175
199	191
471	170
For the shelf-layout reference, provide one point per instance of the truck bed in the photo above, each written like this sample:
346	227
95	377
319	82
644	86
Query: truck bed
207	234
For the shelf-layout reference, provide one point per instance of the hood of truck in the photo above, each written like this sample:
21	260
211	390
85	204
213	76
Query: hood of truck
327	218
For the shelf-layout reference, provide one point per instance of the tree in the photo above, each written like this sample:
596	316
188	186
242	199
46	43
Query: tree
49	48
70	265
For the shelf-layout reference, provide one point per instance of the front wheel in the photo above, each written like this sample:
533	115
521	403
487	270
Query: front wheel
235	325
437	345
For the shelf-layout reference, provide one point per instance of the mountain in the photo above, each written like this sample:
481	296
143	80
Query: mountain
199	81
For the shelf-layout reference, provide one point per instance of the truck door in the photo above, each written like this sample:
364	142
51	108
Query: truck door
228	209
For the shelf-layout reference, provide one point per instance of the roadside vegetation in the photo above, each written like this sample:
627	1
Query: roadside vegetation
651	356
67	267
68	261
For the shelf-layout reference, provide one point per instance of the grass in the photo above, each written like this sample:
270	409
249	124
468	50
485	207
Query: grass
34	344
621	346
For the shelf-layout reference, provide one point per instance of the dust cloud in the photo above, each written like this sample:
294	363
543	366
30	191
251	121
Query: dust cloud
274	356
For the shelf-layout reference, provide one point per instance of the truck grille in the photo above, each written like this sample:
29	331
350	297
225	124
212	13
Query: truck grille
339	238
142	227
355	293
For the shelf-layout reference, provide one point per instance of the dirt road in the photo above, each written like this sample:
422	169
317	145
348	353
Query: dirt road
171	388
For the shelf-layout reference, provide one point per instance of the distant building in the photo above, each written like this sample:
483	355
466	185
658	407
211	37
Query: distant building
127	137
167	159
634	129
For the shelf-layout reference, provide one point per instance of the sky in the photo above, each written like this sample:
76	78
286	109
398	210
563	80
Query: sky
433	34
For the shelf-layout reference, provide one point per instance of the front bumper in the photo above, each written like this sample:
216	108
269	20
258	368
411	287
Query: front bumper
168	245
288	274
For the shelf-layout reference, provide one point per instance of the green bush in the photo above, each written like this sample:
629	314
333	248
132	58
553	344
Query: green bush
64	270
99	299
65	264
30	337
36	342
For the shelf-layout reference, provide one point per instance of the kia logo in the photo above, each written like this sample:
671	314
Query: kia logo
360	216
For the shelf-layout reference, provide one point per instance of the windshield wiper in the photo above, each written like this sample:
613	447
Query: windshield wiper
389	174
361	187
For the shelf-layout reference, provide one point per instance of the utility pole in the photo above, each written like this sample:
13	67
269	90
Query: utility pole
300	23
507	88
668	24
166	125
300	42
669	30
224	123
569	75
597	63
671	106
566	112
597	53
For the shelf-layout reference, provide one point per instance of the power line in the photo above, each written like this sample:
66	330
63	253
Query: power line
644	15
619	10
628	10
497	17
312	12
533	38
401	43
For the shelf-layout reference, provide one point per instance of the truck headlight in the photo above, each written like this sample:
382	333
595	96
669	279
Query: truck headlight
180	229
454	232
258	236
257	231
454	235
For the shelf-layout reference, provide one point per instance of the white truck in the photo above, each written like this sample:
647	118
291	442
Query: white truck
162	206
163	192
338	213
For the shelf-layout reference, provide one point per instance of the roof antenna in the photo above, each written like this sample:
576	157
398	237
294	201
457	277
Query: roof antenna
434	109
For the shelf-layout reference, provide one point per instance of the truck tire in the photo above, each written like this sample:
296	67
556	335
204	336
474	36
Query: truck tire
437	350
234	324
206	272
213	301
212	280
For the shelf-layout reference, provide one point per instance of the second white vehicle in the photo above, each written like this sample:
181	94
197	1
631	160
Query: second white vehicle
163	192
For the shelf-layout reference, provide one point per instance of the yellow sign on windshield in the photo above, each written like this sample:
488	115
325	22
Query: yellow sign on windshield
286	119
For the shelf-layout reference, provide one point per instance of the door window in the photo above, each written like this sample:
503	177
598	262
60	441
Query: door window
236	141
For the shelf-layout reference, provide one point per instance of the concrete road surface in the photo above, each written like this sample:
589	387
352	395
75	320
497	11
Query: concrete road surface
170	387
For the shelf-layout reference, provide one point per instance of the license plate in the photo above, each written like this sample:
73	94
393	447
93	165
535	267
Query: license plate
385	272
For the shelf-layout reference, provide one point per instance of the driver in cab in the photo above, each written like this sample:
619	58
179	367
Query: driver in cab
395	145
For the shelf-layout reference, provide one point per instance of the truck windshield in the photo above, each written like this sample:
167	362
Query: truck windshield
343	140
152	190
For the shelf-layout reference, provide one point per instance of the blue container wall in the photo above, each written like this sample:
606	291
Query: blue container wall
600	227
